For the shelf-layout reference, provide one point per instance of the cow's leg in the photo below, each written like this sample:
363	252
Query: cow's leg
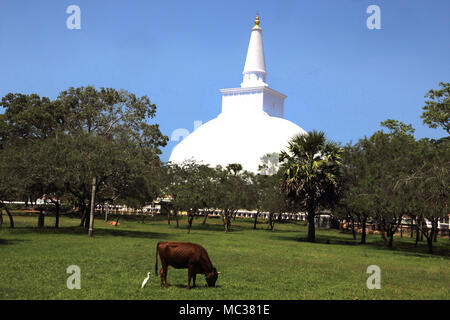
161	273
189	277
165	275
194	276
191	274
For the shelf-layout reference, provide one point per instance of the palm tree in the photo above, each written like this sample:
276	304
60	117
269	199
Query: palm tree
311	168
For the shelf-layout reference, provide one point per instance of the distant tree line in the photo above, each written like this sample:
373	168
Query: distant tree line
56	148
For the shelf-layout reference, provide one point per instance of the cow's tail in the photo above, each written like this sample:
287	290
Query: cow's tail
156	258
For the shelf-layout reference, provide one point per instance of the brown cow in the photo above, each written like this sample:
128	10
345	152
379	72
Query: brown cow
188	255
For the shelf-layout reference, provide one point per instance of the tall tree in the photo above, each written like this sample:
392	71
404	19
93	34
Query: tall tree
109	135
311	168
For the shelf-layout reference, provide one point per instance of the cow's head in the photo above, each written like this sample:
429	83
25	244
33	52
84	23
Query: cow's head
211	278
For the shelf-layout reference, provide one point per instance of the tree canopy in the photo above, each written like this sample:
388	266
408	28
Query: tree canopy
436	112
56	147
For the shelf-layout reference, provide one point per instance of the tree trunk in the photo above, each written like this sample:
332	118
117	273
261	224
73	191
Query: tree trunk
417	233
353	228
205	213
92	208
1	218
41	218
436	231
86	216
363	231
391	238
393	229
106	212
256	218
430	237
382	230
222	215
226	220
418	222
168	215
57	214
311	226
83	214
430	243
176	217
271	221
11	220
190	219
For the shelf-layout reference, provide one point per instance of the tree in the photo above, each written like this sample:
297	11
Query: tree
426	186
84	133
270	196
188	187
108	138
372	167
392	153
436	112
311	173
356	187
232	191
28	120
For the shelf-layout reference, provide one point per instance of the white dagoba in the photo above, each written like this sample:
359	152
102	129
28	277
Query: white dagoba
251	123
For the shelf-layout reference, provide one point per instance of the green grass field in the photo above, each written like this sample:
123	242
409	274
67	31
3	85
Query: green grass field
256	264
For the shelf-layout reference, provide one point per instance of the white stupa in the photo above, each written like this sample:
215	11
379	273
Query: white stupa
251	123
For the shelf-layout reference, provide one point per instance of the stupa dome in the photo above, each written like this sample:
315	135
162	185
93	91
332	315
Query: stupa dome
250	125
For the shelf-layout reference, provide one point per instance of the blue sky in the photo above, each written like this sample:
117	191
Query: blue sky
339	76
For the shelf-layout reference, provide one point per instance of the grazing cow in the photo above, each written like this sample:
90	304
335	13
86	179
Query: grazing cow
188	255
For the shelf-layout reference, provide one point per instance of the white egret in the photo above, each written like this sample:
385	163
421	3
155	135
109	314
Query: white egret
145	280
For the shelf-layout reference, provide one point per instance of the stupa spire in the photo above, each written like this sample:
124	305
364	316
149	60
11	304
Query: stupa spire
257	22
254	74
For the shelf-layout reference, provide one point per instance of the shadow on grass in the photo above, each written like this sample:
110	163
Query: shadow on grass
11	241
320	239
410	249
77	230
197	287
216	227
403	246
